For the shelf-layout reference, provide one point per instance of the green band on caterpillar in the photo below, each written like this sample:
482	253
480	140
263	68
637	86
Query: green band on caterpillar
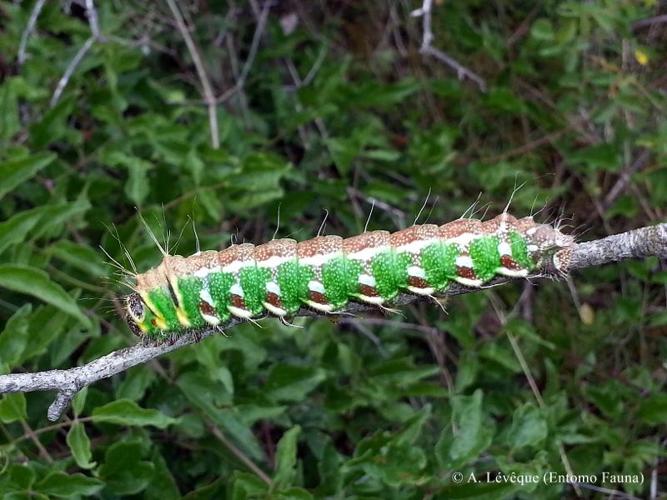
293	279
327	272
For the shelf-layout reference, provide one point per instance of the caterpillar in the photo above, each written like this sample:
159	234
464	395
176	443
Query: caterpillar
326	272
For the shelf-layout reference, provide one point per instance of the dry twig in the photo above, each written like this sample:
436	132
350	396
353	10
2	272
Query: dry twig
254	45
425	12
29	28
96	36
207	90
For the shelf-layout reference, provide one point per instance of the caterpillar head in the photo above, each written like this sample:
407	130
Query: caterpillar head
137	315
549	247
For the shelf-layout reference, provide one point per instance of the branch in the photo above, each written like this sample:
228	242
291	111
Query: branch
207	89
96	36
69	71
650	22
636	244
30	27
427	47
254	45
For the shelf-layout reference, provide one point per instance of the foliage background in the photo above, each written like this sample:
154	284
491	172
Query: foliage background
338	109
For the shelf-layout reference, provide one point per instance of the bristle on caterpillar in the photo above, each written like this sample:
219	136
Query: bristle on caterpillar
327	272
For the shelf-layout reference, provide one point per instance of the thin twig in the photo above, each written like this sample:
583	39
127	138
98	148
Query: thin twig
239	454
93	22
38	444
649	22
254	45
207	90
427	48
533	387
636	244
626	173
29	28
76	60
96	36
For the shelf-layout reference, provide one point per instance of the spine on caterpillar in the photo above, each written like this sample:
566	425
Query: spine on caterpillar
325	273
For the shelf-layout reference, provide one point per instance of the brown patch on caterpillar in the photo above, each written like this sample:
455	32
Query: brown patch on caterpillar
321	245
244	252
503	222
153	278
206	308
509	263
318	297
524	224
371	239
237	301
412	234
368	290
466	272
491	226
184	266
459	227
562	259
274	300
417	282
175	265
284	247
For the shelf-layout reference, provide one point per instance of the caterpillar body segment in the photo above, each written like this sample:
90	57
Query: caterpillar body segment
326	272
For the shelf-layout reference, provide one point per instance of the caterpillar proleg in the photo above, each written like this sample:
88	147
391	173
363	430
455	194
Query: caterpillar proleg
326	272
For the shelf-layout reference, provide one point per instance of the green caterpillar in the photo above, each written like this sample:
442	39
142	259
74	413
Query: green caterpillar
325	273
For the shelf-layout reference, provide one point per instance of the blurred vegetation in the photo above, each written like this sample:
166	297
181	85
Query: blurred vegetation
336	109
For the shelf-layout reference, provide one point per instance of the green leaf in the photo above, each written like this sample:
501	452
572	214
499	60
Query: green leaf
80	256
203	393
15	336
52	125
16	228
246	486
542	30
163	484
59	484
472	436
286	459
57	215
15	172
135	383
41	221
127	412
35	282
653	410
294	493
12	407
137	186
79	445
79	401
9	108
123	470
529	428
292	383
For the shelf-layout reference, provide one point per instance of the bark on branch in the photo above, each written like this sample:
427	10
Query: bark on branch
636	244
